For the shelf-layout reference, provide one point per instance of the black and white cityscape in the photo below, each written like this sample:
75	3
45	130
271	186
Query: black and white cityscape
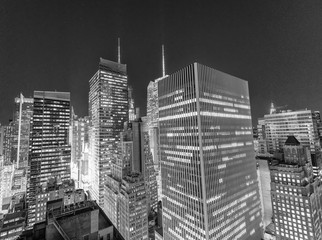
160	120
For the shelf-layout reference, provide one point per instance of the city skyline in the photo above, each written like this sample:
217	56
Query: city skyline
276	47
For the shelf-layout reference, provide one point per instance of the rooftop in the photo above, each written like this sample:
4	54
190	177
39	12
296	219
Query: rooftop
291	140
63	96
113	66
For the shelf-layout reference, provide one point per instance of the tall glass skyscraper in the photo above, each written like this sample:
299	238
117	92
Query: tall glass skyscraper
50	153
209	181
108	110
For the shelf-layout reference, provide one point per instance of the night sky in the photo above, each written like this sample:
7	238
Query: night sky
55	45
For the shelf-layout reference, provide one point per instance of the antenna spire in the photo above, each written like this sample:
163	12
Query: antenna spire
118	50
163	62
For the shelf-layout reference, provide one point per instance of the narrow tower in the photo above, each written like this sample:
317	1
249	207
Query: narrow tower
163	62
118	51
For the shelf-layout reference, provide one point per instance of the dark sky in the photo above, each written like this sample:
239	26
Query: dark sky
56	45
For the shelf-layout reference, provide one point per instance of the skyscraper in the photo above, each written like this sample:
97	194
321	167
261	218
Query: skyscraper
296	194
153	123
209	181
50	153
127	190
131	104
108	110
79	146
21	130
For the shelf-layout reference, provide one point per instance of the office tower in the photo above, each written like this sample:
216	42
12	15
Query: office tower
79	146
133	203
108	110
129	191
153	123
21	130
296	194
209	180
131	104
50	153
6	142
150	174
302	124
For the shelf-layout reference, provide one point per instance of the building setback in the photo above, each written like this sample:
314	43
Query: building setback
50	153
209	181
296	194
108	110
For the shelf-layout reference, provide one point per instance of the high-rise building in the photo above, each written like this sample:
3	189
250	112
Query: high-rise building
296	194
133	207
79	147
131	188
209	180
50	153
302	124
131	104
6	143
153	123
108	110
21	130
150	173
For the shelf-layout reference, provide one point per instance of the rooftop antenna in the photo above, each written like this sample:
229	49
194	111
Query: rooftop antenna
118	51
163	62
272	109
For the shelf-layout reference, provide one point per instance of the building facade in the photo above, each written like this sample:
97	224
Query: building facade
79	148
50	153
153	129
131	104
53	190
209	181
133	207
108	110
264	178
302	124
130	191
296	194
21	130
6	143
